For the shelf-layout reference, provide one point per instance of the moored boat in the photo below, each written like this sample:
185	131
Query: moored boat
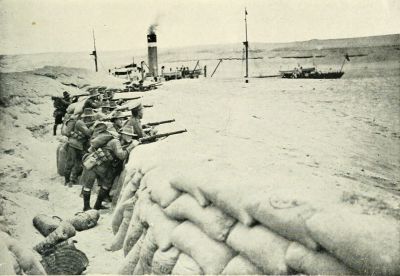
310	73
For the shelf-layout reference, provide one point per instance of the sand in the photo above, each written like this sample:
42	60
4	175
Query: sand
343	132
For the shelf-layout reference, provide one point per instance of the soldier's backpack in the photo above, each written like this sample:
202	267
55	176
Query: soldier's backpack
98	156
68	126
57	103
62	158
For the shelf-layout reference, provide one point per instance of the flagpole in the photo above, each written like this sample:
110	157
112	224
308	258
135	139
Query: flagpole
246	44
94	53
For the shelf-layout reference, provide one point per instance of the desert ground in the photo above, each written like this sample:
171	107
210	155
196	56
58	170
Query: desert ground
344	133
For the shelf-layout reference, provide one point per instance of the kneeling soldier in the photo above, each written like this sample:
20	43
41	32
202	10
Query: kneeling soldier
103	162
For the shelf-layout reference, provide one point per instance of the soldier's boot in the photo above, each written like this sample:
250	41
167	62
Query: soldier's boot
66	177
72	181
86	200
108	197
100	197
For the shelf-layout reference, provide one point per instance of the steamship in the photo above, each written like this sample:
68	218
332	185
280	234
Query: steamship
147	73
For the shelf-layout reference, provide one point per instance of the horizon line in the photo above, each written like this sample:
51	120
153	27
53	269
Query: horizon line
202	45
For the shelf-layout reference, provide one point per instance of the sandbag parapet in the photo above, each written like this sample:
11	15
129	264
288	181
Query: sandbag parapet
190	218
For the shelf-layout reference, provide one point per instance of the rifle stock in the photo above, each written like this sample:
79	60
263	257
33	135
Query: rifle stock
153	138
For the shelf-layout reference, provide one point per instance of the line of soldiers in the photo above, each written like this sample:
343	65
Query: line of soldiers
99	143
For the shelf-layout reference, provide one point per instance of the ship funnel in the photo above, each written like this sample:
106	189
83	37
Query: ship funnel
152	53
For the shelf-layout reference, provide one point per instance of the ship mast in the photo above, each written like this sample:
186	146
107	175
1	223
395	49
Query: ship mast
246	45
94	53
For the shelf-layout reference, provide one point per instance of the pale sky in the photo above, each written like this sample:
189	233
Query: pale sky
34	26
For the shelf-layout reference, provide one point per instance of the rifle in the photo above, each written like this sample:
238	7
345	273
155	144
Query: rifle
79	95
125	96
147	105
125	114
159	123
153	138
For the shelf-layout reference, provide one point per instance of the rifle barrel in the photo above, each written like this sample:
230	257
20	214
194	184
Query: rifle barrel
160	122
154	137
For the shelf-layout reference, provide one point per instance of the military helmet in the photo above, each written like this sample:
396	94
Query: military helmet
128	130
93	93
88	112
105	103
136	105
113	105
118	114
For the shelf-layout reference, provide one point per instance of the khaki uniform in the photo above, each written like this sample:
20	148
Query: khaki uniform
137	127
77	145
107	170
91	103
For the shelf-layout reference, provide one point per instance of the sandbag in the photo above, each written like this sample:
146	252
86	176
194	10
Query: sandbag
134	232
240	265
71	108
63	232
210	219
142	158
367	244
229	195
307	261
131	260
144	204
136	178
61	157
116	188
6	260
119	238
211	255
263	247
26	259
85	220
157	181
126	178
185	265
190	183
46	224
17	267
283	214
78	106
164	261
147	251
118	215
162	226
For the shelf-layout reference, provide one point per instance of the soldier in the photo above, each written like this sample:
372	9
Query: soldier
117	119
113	105
93	101
135	121
104	162
61	105
77	145
105	107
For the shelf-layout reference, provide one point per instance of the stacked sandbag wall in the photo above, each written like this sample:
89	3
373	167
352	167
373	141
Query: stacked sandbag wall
179	218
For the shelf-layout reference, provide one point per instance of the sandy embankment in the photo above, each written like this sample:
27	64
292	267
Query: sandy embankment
344	133
29	181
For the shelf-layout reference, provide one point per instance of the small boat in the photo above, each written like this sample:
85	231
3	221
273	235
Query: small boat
313	73
310	73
